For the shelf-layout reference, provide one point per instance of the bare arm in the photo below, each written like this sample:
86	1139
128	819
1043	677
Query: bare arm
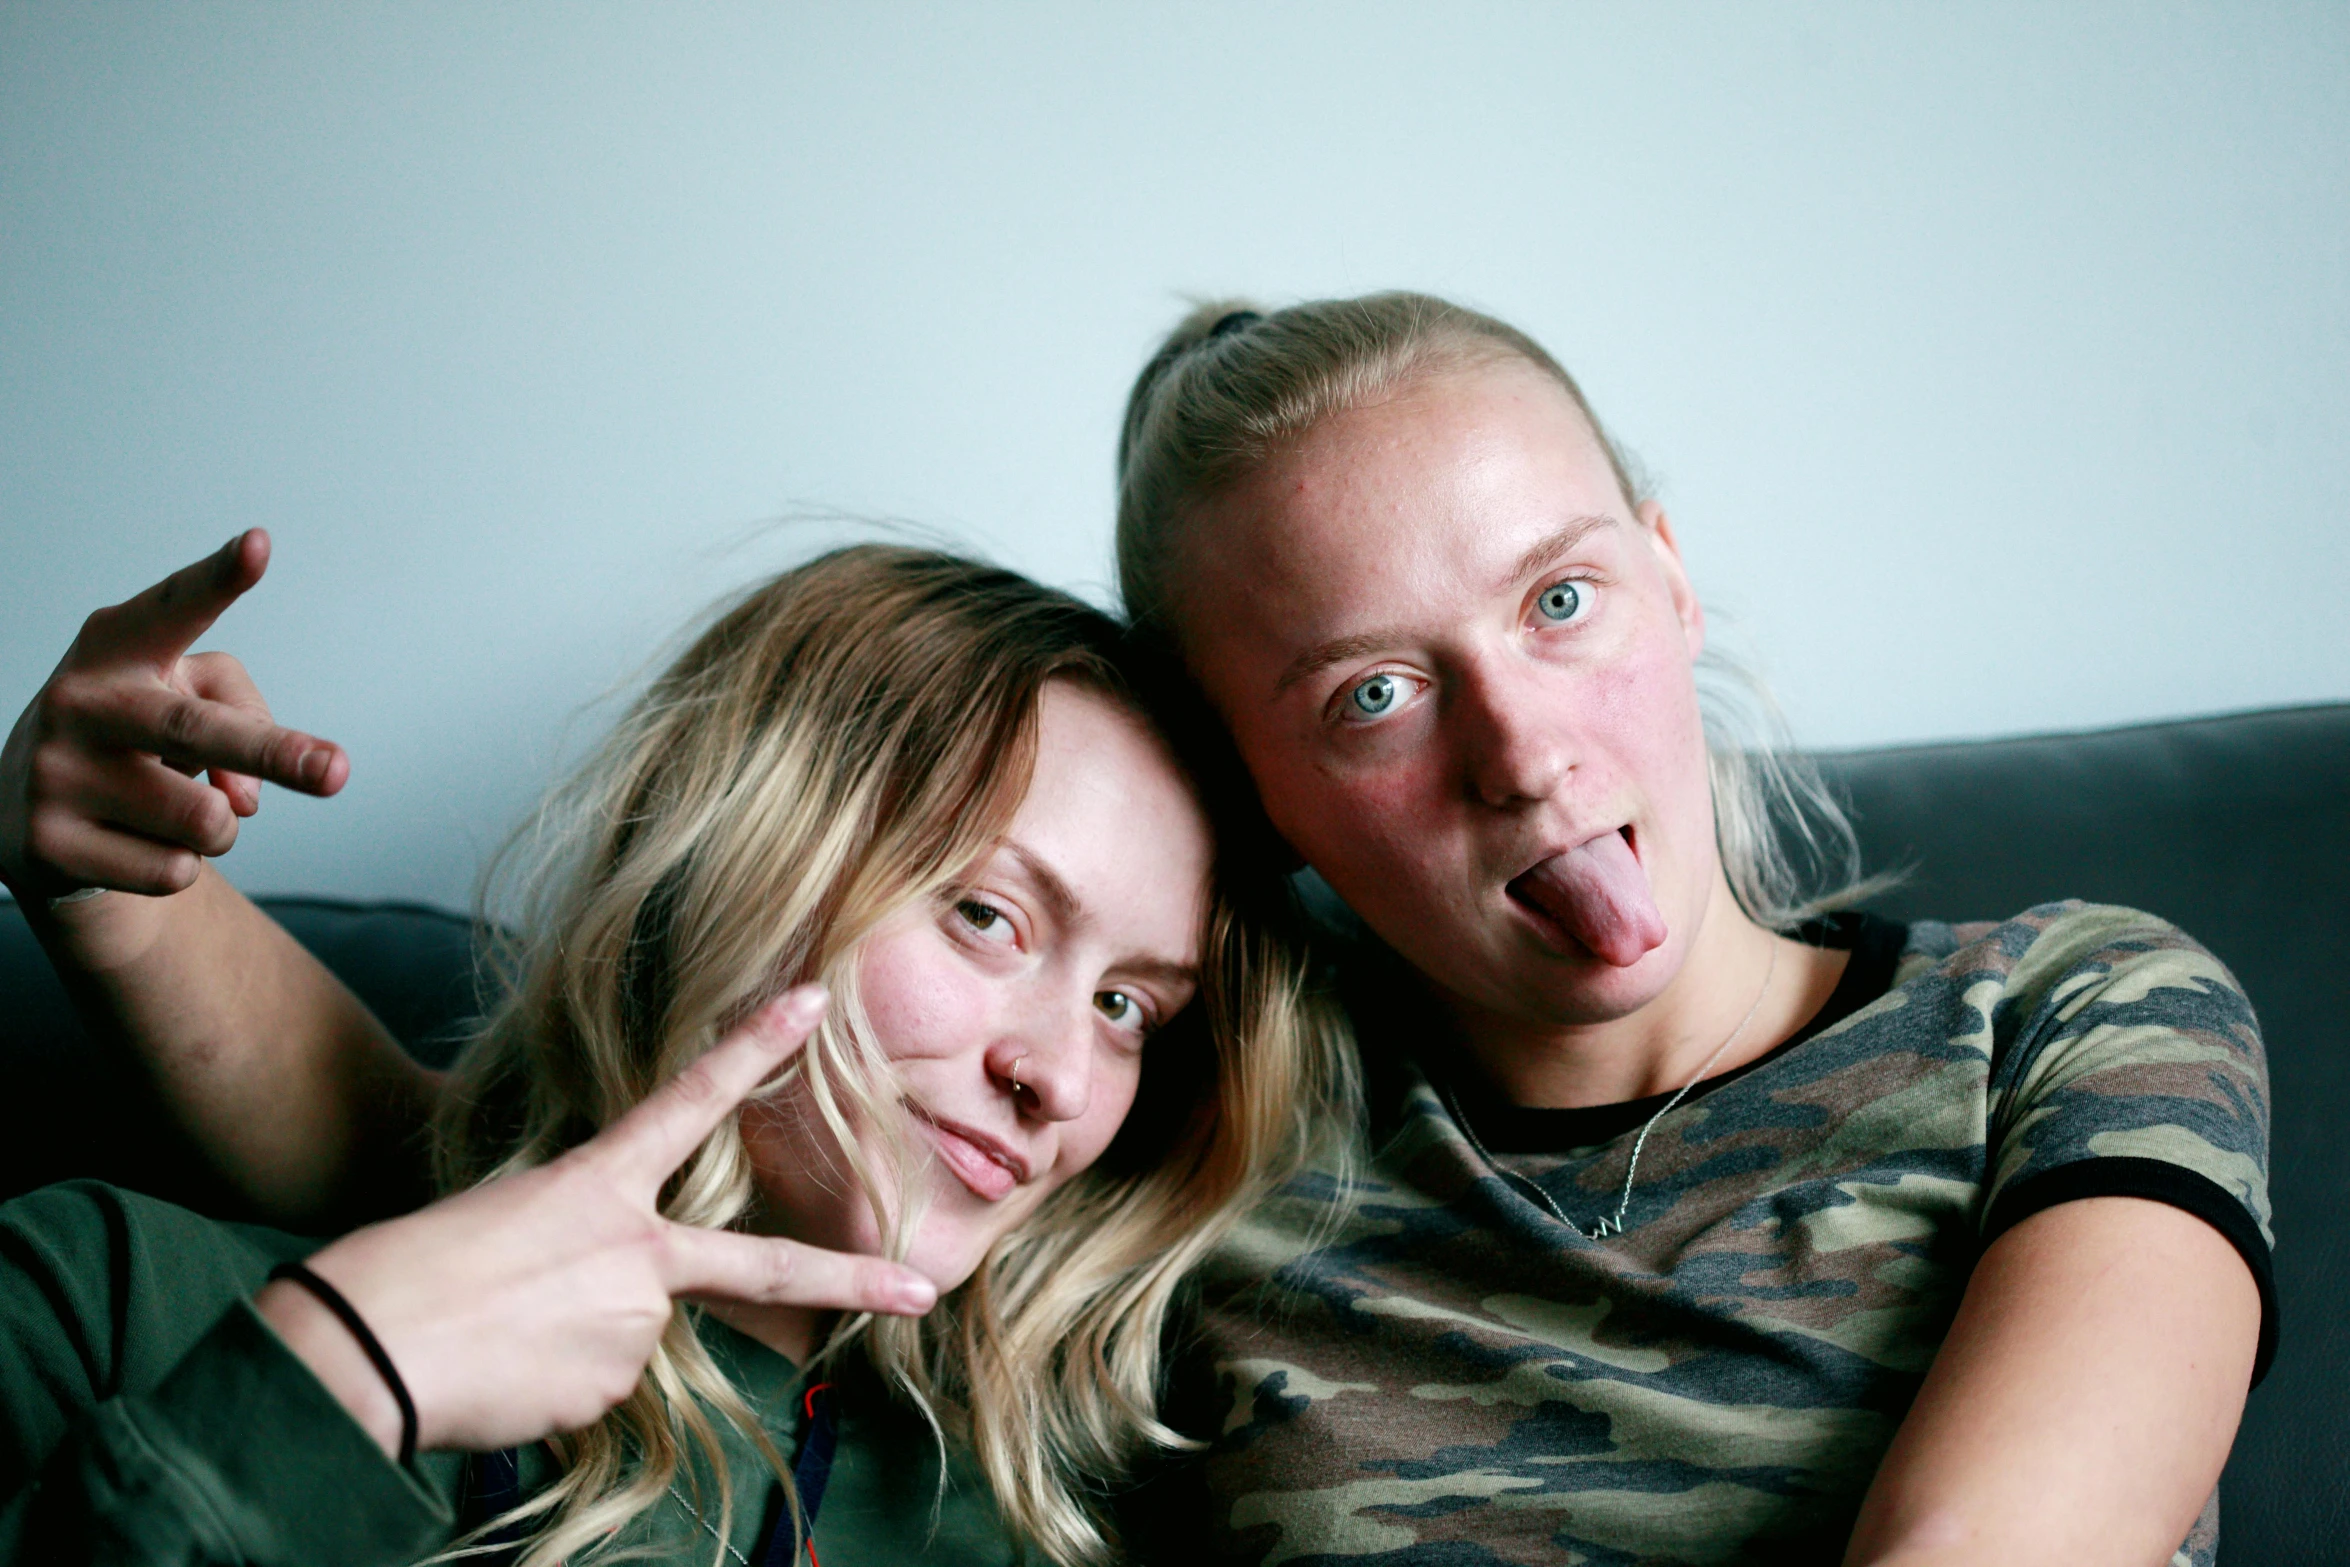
2084	1402
286	1082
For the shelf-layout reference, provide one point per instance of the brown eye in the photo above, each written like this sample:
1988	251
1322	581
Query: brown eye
983	918
1121	1009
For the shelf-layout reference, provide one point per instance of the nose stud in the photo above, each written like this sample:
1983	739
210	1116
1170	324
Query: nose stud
1014	1074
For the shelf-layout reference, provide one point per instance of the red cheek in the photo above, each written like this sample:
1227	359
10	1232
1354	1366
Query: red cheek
923	1001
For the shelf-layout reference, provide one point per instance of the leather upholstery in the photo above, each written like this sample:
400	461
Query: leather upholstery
2235	828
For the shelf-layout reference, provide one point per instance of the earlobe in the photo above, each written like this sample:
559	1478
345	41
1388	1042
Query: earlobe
1668	553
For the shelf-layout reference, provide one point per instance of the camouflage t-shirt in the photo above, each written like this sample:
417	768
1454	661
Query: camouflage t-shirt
1444	1372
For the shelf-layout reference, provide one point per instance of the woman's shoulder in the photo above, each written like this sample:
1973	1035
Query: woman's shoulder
2107	1031
2055	951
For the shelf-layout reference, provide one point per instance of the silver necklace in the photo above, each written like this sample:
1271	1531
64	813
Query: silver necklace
710	1528
1614	1223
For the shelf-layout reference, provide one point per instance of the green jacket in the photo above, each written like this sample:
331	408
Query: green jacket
148	1415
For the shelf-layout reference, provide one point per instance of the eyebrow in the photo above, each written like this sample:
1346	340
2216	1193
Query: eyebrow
1550	547
1160	971
1338	650
1323	654
1065	905
1069	910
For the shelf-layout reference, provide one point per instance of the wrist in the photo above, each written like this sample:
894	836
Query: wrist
102	934
321	1342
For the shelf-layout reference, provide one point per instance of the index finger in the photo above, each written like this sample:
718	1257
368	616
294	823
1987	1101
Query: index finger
655	1137
163	621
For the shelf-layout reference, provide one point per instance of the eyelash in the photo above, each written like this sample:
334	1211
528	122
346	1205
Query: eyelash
1146	1023
965	904
1339	703
1583	585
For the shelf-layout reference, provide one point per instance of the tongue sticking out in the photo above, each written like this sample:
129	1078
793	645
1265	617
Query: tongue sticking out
1600	894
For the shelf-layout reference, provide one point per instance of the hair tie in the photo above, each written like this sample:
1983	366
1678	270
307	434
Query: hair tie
332	1299
1234	321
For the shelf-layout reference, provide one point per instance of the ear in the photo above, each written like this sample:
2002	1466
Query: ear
1659	528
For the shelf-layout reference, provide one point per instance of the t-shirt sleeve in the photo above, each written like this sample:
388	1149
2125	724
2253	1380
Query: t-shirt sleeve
149	1415
2127	1063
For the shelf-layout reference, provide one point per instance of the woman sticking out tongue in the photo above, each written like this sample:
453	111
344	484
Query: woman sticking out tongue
1700	1229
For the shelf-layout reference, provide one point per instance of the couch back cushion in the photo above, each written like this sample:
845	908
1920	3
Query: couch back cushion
2237	829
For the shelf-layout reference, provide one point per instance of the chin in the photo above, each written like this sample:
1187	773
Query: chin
949	1265
1602	993
1548	987
947	1252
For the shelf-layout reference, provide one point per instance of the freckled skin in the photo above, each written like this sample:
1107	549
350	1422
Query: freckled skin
1403	529
963	999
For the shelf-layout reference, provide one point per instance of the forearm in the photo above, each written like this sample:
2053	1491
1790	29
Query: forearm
2083	1403
283	1079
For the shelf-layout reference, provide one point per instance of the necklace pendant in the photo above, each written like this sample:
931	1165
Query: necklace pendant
1603	1229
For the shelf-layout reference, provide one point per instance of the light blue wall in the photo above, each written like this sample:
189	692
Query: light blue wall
1994	358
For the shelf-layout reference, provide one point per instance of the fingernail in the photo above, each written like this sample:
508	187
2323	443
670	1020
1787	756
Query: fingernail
803	1006
916	1294
314	766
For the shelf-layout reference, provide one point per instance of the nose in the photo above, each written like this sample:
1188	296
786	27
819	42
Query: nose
1514	748
1047	1067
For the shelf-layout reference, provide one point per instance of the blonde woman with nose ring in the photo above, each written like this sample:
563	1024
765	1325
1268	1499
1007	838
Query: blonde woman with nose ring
798	1199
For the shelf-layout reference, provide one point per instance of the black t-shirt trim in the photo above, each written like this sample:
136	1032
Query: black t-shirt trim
2157	1181
1876	944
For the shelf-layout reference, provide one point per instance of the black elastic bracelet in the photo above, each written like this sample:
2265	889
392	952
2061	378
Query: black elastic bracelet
332	1299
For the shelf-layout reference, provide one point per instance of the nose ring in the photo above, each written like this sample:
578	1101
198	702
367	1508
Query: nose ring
1014	1074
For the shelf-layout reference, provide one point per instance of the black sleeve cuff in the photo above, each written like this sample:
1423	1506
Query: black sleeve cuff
2158	1181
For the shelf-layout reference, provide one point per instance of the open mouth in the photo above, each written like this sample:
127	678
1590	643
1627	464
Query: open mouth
989	1168
1596	896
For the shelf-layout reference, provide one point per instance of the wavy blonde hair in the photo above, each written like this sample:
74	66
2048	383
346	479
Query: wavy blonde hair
1233	384
843	743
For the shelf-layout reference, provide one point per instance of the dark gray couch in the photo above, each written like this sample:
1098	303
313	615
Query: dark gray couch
2237	828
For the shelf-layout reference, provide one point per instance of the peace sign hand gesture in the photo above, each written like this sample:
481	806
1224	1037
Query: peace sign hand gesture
97	781
531	1304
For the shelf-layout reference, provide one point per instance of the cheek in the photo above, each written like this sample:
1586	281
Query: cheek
922	1000
1086	1139
1648	709
1373	816
802	1175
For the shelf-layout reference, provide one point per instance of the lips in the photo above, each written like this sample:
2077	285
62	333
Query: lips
1596	894
989	1167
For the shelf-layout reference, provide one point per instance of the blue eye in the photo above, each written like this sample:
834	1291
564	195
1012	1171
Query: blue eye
1561	601
1376	696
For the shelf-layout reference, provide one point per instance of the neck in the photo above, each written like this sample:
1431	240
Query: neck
1739	984
791	1331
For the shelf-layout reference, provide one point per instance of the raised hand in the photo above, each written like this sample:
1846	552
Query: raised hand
97	781
531	1304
